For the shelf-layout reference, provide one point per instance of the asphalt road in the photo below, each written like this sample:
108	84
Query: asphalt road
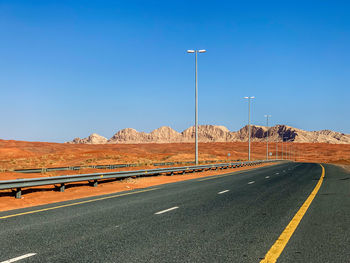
231	218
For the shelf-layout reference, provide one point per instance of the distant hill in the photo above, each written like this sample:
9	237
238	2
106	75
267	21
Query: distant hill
92	139
214	133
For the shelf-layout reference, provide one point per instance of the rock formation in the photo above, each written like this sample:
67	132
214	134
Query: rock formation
214	133
92	139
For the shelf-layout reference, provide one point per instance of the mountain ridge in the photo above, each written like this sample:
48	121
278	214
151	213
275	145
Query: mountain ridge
217	133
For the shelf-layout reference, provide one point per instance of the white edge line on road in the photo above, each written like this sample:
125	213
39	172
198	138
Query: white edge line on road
267	177
252	182
164	211
19	258
277	173
225	191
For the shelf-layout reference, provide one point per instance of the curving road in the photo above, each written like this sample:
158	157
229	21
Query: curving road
235	217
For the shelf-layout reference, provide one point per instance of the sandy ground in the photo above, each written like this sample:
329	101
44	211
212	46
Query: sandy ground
21	154
47	194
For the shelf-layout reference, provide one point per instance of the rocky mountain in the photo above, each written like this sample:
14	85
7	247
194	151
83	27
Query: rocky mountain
161	135
207	133
92	139
214	133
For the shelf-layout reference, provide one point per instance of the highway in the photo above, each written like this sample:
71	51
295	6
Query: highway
235	217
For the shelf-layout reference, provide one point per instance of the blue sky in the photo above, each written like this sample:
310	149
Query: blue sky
70	68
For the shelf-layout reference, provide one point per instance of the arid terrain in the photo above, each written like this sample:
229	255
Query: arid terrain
21	154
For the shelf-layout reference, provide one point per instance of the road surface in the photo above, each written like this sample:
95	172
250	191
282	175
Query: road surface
236	217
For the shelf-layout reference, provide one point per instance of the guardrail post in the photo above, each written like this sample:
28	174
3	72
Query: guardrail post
61	188
94	183
18	193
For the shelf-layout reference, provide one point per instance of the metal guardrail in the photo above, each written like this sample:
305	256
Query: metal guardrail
73	168
60	181
105	166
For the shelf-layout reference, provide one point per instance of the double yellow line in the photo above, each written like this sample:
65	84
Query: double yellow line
277	248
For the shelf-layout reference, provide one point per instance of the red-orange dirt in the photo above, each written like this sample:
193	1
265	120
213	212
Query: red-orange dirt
21	154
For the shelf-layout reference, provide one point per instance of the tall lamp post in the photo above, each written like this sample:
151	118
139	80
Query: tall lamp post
249	98
196	99
267	136
282	143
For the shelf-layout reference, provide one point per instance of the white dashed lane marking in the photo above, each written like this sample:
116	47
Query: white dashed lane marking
166	210
19	258
222	192
252	182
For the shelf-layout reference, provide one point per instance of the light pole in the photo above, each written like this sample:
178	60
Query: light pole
249	98
196	99
267	136
282	143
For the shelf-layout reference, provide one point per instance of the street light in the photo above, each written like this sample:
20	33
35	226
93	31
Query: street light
267	136
249	98
196	99
282	143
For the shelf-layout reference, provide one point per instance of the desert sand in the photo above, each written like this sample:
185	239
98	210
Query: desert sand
21	154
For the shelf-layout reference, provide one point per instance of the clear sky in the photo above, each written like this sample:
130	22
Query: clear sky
70	68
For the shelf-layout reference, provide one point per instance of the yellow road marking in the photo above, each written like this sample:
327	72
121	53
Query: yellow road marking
78	203
277	248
